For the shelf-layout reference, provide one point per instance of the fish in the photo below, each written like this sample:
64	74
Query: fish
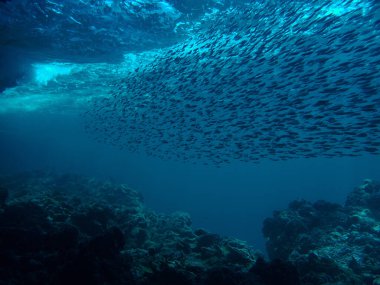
247	87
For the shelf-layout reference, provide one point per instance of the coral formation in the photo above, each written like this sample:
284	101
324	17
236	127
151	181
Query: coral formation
68	229
329	243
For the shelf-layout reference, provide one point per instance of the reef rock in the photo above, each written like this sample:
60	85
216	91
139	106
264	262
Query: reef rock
330	243
68	229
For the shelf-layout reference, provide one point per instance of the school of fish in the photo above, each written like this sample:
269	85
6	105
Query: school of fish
267	81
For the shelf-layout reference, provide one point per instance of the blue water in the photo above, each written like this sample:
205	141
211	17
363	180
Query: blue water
232	200
42	124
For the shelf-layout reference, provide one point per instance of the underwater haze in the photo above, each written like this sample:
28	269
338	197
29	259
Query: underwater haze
225	109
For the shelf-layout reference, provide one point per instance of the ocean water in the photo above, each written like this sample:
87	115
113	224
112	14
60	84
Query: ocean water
121	90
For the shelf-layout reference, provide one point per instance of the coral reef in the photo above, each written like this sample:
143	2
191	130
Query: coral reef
68	229
330	243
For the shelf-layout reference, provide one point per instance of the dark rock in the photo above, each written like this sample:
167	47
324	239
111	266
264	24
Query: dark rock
106	245
26	215
68	229
327	241
285	227
361	195
63	238
207	240
200	232
276	272
20	240
223	276
97	261
168	276
93	220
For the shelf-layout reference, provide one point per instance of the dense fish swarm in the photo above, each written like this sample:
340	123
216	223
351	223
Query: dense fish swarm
267	81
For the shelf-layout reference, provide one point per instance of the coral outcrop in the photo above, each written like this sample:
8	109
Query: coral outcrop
330	243
68	229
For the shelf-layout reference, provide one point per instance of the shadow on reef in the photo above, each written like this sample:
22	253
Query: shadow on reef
67	229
